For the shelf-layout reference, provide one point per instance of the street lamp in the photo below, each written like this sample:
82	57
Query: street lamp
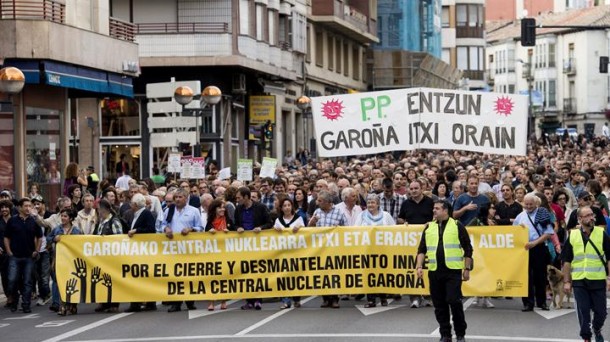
304	104
12	80
210	95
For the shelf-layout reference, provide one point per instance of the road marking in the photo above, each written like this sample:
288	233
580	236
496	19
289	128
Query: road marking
30	316
4	325
377	309
414	337
550	314
87	327
270	318
53	324
205	312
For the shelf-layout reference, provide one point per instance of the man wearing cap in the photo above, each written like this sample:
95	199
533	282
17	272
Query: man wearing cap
585	199
92	180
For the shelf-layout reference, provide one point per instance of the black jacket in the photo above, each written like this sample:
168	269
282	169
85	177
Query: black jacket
260	213
145	223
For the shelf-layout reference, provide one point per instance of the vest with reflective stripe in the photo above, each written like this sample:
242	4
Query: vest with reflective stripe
586	263
454	255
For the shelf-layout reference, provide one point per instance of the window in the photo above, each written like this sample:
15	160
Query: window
551	55
338	55
461	14
356	63
552	101
511	88
298	32
445	18
259	22
308	55
345	59
510	59
446	55
273	29
319	48
244	20
120	117
330	50
470	15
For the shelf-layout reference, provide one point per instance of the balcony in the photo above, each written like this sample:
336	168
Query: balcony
345	19
569	106
569	66
122	30
172	28
473	75
470	31
51	10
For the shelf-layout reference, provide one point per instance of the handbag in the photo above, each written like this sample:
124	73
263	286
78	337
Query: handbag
549	245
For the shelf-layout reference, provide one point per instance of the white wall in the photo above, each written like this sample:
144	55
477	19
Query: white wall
155	11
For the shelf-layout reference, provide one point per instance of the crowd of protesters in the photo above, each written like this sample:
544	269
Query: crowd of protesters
393	188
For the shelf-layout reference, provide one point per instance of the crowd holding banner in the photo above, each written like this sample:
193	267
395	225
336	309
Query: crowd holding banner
315	261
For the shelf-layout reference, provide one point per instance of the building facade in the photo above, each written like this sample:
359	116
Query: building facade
562	70
410	26
463	40
74	55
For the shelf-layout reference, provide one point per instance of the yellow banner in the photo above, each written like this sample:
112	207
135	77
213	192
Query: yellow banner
314	261
262	109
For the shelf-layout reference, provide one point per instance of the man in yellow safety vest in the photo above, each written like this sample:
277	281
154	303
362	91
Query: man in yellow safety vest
585	270
446	243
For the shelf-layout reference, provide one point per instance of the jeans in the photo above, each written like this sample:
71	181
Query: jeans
55	302
42	270
20	268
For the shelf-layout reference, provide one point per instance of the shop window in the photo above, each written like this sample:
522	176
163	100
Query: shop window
43	152
120	117
7	147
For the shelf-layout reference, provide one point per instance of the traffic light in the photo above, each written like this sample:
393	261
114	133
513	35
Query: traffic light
603	64
268	130
528	32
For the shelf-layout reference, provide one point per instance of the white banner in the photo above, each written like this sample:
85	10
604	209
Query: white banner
420	118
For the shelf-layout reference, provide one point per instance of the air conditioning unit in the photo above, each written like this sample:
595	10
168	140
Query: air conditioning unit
239	84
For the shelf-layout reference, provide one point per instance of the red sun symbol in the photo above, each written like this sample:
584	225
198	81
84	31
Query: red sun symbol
504	106
333	109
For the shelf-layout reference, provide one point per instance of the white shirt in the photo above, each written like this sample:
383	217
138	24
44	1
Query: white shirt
123	182
352	215
606	131
297	223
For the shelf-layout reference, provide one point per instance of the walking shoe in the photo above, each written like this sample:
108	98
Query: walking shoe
43	301
247	306
415	303
257	305
325	304
487	303
28	310
445	339
191	307
598	336
475	301
460	339
335	305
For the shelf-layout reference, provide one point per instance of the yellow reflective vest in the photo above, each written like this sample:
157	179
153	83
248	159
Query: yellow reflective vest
454	255
586	263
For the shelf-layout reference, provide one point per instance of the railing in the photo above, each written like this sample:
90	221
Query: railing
171	28
51	10
470	31
123	30
473	74
284	45
569	66
569	105
344	12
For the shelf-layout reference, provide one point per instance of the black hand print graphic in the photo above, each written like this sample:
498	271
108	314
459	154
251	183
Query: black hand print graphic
95	278
80	267
108	283
70	289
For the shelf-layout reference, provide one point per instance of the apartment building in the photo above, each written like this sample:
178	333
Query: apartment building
74	55
463	40
563	68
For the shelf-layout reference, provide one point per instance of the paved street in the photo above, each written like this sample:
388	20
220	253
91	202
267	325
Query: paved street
352	322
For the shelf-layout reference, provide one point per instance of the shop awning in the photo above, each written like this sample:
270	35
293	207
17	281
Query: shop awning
77	77
73	76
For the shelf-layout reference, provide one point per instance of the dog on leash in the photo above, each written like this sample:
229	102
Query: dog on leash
555	279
